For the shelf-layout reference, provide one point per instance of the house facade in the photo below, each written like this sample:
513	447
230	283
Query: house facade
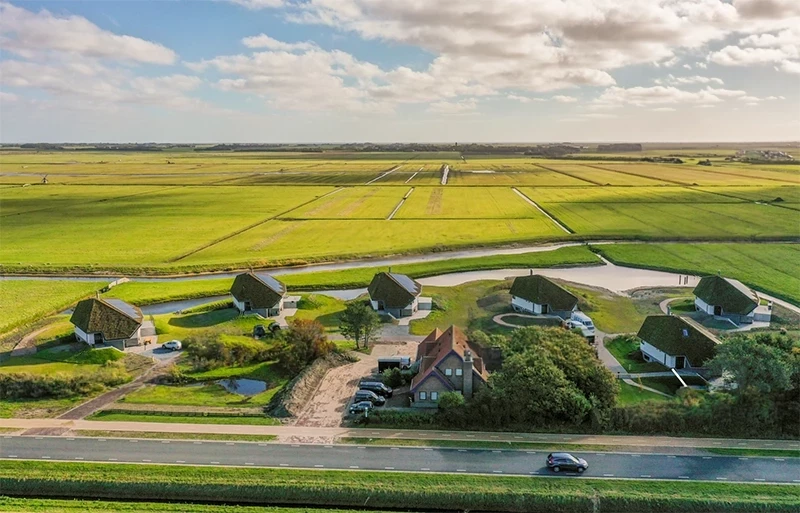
396	295
676	342
539	295
447	363
111	322
730	299
260	294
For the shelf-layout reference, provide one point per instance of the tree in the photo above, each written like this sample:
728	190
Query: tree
305	341
359	322
756	364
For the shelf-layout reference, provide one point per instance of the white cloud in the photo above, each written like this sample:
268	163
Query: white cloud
790	67
523	99
255	5
663	109
459	107
8	97
695	79
701	65
27	34
264	41
564	99
660	95
687	66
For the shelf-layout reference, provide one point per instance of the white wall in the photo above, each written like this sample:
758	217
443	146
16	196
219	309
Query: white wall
702	306
374	305
83	336
238	304
525	305
657	355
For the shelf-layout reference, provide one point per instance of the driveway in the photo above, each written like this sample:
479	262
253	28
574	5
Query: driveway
329	404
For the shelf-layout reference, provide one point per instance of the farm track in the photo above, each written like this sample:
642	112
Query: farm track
543	211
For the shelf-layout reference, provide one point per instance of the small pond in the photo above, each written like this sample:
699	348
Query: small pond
245	387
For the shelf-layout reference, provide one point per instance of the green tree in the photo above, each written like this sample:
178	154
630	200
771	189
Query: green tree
757	365
305	341
359	322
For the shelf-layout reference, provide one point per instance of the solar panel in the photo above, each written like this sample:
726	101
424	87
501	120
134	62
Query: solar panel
272	283
129	310
406	282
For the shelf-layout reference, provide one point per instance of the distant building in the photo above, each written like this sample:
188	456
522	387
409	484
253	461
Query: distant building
261	294
537	294
447	363
396	295
111	322
676	342
730	299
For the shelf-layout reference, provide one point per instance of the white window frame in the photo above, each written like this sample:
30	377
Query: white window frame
434	396
448	372
459	372
423	396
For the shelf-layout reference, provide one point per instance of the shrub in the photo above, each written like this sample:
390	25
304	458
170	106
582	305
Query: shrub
37	386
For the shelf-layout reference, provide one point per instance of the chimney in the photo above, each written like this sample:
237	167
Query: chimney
531	272
466	388
390	269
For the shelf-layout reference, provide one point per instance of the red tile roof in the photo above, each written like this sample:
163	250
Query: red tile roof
435	348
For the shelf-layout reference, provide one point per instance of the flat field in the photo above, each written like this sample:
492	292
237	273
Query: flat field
178	211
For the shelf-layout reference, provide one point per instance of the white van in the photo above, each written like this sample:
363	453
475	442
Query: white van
583	322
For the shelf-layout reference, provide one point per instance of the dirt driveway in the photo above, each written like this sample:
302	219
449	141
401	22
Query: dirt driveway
331	400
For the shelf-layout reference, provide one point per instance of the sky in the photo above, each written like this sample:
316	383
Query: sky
283	71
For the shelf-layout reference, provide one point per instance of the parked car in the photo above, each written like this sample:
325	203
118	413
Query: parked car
559	461
583	319
368	395
361	407
587	333
377	387
172	345
399	362
259	331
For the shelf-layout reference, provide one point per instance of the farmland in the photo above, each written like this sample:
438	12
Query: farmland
181	211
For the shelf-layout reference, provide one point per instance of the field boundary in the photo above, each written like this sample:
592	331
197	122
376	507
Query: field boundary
569	175
543	211
665	180
250	227
400	204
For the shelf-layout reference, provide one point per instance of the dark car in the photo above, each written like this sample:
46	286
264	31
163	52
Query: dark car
259	331
377	387
361	407
368	395
558	461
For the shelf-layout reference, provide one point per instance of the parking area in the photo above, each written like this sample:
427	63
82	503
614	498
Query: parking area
329	405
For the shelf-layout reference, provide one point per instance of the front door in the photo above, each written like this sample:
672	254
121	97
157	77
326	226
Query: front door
717	310
680	362
247	306
545	309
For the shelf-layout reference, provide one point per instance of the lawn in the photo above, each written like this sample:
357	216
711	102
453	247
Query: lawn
111	416
175	436
56	360
37	408
670	384
629	394
610	312
212	395
623	348
142	293
320	308
471	305
18	505
771	268
409	491
25	301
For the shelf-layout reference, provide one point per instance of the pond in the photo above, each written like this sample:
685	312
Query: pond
245	387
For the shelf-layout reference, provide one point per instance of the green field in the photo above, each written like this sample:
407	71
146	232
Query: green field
424	491
771	268
181	211
52	361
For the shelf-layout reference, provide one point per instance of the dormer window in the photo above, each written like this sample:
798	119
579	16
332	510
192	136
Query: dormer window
685	333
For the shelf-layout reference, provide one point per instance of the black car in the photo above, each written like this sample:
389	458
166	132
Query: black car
259	331
361	407
377	387
558	461
368	395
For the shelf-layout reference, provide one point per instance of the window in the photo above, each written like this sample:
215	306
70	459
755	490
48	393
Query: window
423	396
459	372
434	396
448	372
685	333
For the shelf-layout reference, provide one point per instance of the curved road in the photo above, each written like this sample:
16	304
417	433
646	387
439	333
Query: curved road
400	459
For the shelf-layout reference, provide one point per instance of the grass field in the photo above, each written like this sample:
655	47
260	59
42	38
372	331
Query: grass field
52	361
204	395
629	394
25	301
425	491
173	436
622	347
112	416
771	268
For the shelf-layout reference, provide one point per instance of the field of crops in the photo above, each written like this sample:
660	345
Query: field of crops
175	211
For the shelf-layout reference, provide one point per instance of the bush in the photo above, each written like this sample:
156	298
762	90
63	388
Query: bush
211	349
397	378
38	386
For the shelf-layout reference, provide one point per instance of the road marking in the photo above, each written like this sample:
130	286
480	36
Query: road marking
645	475
769	445
248	463
197	443
134	441
427	449
375	433
112	459
742	443
101	440
12	456
497	452
395	448
359	447
147	461
353	466
78	457
670	456
722	478
706	457
293	445
530	452
796	480
608	475
231	443
470	436
447	435
599	454
759	479
283	465
717	443
535	472
497	471
215	463
518	437
179	461
318	466
779	459
424	468
388	468
636	455
462	450
167	441
460	470
744	459
38	437
262	445
45	457
68	439
329	447
683	477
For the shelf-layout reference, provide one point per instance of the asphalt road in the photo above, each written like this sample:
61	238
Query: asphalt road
409	459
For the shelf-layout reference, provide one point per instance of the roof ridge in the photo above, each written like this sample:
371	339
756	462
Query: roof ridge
257	277
103	301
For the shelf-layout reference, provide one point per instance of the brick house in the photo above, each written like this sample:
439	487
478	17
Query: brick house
447	363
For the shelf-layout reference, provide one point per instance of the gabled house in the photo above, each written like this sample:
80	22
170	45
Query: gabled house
728	298
447	363
396	295
112	322
676	342
537	294
261	294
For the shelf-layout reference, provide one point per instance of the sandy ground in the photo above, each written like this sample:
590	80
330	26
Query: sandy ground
329	404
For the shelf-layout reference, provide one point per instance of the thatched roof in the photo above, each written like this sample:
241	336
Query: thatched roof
732	295
677	336
260	289
395	290
542	291
114	318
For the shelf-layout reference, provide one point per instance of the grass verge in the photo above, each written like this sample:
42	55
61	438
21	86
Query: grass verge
385	489
767	453
477	444
174	436
624	349
182	419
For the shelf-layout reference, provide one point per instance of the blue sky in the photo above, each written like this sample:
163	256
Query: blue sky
417	70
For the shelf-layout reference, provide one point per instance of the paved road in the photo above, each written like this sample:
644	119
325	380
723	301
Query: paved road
416	459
